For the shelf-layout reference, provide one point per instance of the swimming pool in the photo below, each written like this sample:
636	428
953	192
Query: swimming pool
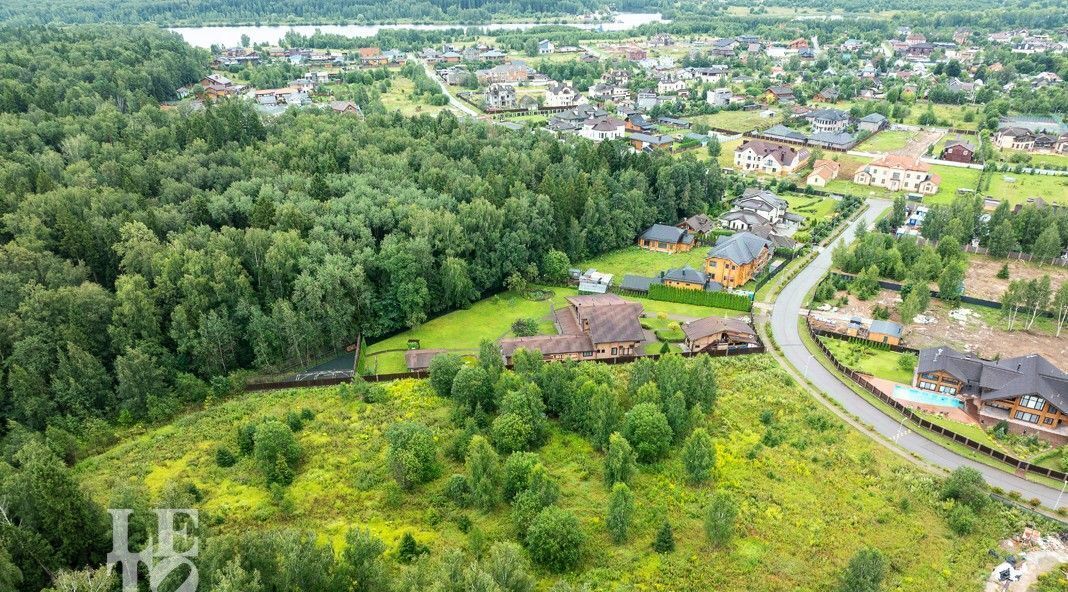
916	395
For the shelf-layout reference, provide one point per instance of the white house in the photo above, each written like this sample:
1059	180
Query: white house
560	95
600	129
773	159
719	97
545	47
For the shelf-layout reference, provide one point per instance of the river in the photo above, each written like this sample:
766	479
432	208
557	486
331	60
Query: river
231	36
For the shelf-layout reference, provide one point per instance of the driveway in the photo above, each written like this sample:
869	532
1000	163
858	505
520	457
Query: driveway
785	314
457	103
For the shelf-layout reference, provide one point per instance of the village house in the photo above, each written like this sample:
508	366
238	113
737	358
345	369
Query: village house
669	85
500	96
646	142
958	150
873	122
345	108
828	95
600	129
898	173
666	239
719	97
590	327
765	157
688	278
560	95
1022	138
1028	393
823	172
779	94
715	333
736	259
512	73
700	224
831	121
545	47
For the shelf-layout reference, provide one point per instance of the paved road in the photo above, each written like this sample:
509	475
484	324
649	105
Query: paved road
457	103
784	325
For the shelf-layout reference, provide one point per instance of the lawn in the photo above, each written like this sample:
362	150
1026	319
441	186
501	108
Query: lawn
811	207
886	141
807	502
737	121
953	178
869	360
638	261
951	115
401	97
1036	160
465	329
1017	187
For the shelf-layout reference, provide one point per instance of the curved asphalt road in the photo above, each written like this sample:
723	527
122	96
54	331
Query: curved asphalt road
784	325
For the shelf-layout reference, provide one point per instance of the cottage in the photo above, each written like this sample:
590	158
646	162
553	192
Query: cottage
764	202
500	96
773	159
688	278
737	258
779	94
647	142
560	95
666	239
1028	393
719	97
823	172
828	95
713	333
600	129
873	122
591	327
828	120
958	151
594	282
899	173
545	47
345	107
698	224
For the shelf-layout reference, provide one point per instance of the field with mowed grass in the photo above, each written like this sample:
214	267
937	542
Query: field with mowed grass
1017	187
886	141
810	491
813	208
737	121
638	261
880	363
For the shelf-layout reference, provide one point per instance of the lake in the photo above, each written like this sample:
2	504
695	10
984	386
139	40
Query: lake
231	36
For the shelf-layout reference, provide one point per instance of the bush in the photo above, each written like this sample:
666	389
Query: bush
458	490
618	461
517	471
224	457
525	327
443	369
665	539
865	572
511	433
413	454
409	549
620	511
276	451
719	519
700	298
246	438
699	456
555	539
907	362
647	429
962	519
966	486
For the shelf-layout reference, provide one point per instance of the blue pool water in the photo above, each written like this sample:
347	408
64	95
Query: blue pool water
909	393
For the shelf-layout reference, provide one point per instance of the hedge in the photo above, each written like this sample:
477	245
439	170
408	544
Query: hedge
700	297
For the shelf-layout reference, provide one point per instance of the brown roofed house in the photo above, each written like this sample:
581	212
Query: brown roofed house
718	333
592	326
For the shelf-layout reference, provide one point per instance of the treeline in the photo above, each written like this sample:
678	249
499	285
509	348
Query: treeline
147	255
302	11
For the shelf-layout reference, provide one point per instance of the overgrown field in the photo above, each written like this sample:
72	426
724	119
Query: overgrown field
810	492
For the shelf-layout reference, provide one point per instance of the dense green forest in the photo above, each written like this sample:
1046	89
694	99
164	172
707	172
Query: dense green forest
148	252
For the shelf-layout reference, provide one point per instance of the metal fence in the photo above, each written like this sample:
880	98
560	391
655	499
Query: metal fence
859	380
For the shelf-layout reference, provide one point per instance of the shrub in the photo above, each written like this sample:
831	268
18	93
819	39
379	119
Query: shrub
276	451
307	414
865	572
620	511
294	421
962	519
700	298
555	539
443	369
516	474
413	454
699	456
525	327
458	490
246	438
665	539
483	473
719	518
511	433
647	429
408	549
508	567
966	486
907	362
224	457
618	461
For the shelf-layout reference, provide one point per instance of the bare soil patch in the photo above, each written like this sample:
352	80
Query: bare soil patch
918	144
981	281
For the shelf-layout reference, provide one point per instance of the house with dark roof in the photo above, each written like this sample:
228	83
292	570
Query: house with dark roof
873	122
712	333
666	239
828	120
688	278
590	327
648	142
1028	393
698	224
958	150
779	94
737	258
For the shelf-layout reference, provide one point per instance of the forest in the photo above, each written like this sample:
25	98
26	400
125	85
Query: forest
148	255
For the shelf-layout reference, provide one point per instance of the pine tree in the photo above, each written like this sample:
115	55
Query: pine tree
665	539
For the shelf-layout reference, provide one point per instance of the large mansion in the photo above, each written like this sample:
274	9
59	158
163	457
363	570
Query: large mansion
899	173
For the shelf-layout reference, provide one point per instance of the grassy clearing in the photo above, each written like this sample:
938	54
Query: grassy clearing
806	505
401	97
887	141
1037	159
737	121
813	208
869	360
490	318
1017	187
953	115
638	261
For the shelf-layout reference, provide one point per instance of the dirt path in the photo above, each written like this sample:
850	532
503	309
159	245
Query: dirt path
917	145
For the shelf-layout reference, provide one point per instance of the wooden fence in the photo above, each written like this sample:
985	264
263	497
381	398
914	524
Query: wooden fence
859	380
299	382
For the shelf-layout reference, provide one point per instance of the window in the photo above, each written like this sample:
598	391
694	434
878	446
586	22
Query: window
927	385
1048	420
1030	417
947	390
587	354
615	351
1033	402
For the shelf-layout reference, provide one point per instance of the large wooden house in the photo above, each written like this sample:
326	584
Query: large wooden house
666	239
737	258
1028	393
591	327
